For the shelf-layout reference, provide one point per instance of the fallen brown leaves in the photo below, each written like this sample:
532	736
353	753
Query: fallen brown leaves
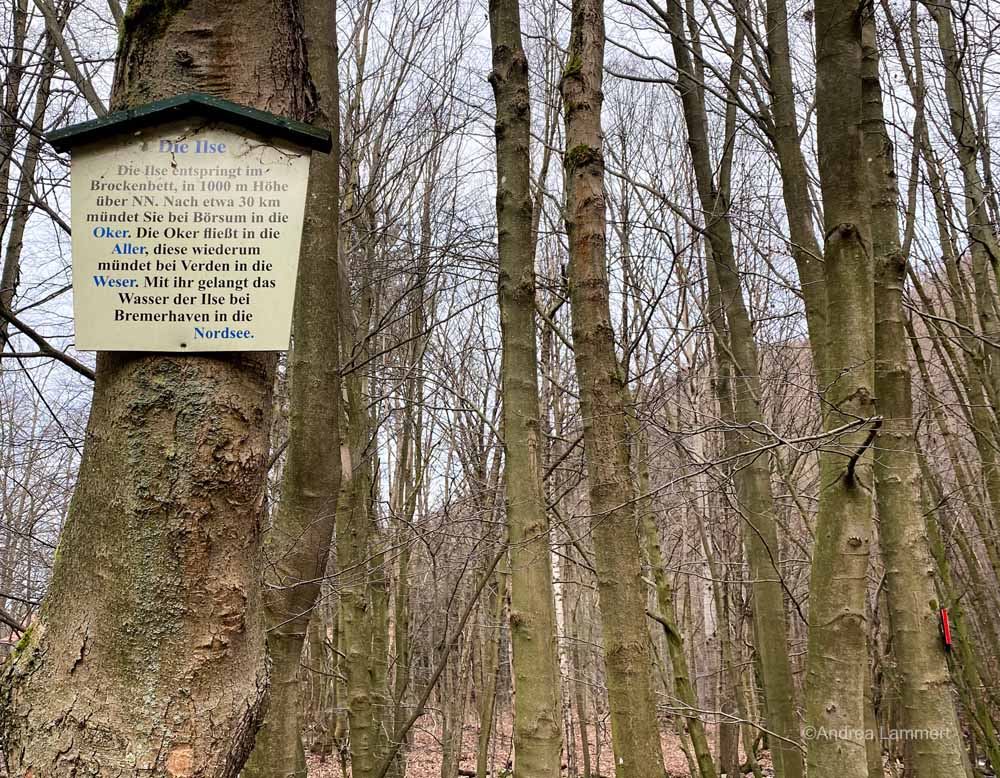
424	755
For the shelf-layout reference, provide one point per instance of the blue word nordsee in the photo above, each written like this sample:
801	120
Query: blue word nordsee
225	333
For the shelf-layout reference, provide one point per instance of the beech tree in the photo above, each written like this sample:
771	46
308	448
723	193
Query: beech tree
912	596
301	533
838	643
740	400
148	654
602	407
641	414
535	664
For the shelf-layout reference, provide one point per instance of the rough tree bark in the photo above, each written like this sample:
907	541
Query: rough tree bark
298	542
618	557
837	663
148	656
535	660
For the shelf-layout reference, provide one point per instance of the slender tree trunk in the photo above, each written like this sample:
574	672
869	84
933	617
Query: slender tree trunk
578	687
837	662
873	742
795	184
984	249
535	661
353	537
408	484
302	528
354	522
744	708
729	728
401	642
455	697
378	599
683	688
975	380
148	655
11	90
729	732
491	671
322	668
752	475
910	583
634	724
10	276
985	254
342	726
968	678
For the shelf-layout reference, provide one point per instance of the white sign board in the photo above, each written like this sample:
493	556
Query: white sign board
186	238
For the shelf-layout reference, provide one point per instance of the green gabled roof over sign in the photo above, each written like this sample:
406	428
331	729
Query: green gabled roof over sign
191	104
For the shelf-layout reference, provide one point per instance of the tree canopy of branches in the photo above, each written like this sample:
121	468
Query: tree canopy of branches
641	415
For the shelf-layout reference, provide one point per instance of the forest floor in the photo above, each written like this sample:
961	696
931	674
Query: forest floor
424	755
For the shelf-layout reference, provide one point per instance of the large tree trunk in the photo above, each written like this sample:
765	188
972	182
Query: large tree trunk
837	656
622	593
148	655
537	735
298	542
910	568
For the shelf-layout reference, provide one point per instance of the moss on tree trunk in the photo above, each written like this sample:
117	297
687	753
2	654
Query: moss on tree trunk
837	664
618	556
911	589
535	661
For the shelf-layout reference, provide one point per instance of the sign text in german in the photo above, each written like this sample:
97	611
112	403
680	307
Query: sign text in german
186	238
